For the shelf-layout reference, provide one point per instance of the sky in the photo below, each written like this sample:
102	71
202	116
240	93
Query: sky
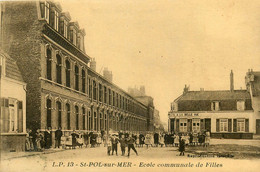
166	44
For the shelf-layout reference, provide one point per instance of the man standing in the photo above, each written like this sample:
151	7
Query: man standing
47	138
123	144
114	144
130	142
58	134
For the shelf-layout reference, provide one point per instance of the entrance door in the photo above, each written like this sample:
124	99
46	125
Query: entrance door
208	124
258	126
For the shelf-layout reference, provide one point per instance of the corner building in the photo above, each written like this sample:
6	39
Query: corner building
62	90
225	113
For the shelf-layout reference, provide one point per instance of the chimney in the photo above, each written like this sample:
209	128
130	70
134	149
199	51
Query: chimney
142	90
93	64
108	74
231	81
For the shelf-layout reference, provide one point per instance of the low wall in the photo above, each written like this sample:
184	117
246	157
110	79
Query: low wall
232	135
12	142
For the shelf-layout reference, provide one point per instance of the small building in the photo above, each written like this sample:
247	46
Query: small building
225	113
13	105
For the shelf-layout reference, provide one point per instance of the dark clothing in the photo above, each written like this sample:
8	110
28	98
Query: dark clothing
114	148
122	142
141	139
58	134
130	141
182	146
191	137
156	138
131	146
123	150
74	139
47	139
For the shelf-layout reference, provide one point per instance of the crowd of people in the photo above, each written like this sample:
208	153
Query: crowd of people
37	141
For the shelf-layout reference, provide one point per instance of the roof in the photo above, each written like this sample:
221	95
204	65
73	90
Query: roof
215	95
11	69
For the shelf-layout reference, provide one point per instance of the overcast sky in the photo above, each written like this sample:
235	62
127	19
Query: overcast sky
169	43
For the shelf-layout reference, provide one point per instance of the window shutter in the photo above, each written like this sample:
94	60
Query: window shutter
247	125
229	125
234	125
20	117
217	125
177	125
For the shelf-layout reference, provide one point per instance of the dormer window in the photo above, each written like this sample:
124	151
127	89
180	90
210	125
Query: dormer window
215	106
240	105
45	11
65	27
73	35
56	20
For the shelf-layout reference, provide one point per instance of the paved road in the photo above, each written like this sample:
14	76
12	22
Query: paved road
151	159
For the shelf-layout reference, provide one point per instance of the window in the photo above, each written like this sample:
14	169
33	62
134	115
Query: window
76	78
48	63
101	121
195	125
90	88
77	117
48	113
58	68
100	92
89	121
68	115
45	9
105	127
67	73
84	118
215	106
94	90
83	81
240	125
95	121
241	105
65	33
113	98
105	94
110	97
56	20
73	36
183	125
58	107
223	125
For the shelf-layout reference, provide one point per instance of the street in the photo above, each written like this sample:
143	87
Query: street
96	159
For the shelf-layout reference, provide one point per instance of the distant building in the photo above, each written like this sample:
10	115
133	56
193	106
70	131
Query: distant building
13	105
225	113
139	94
158	125
253	86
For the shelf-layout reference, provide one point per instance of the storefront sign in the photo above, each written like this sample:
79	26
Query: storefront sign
183	114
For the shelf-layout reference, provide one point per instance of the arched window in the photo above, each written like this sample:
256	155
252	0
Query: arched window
84	118
101	121
83	81
89	121
105	117
76	77
48	63
48	113
77	117
58	69
58	107
68	115
67	73
95	121
94	90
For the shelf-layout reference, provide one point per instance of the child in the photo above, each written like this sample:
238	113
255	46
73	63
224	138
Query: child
182	147
109	146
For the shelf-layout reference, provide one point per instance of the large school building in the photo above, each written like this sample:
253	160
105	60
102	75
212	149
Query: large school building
63	88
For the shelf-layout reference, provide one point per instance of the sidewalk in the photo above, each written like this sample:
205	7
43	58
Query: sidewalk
13	155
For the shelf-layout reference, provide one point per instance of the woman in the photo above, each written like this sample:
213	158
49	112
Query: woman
161	140
207	138
39	139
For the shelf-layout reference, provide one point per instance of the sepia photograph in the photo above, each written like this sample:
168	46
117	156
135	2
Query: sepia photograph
129	85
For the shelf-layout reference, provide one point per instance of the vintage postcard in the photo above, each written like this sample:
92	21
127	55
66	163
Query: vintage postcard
129	85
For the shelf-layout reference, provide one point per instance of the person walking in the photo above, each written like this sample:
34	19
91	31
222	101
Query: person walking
122	144
114	144
74	139
141	140
130	143
109	145
156	139
58	134
39	139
